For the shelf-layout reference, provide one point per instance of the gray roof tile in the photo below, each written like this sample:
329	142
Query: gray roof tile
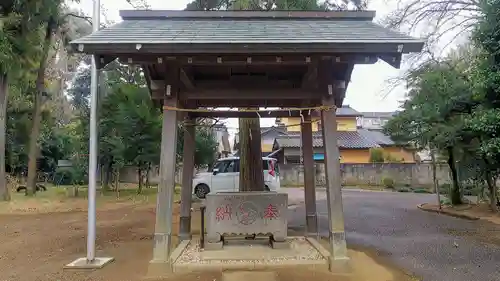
205	30
263	131
346	110
378	136
346	139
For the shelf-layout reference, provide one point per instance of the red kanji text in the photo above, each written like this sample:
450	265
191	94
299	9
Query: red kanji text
223	213
271	212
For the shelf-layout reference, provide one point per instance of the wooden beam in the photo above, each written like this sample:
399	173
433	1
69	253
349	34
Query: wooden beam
239	114
254	103
310	76
248	59
242	94
102	61
247	83
172	80
333	79
186	80
393	60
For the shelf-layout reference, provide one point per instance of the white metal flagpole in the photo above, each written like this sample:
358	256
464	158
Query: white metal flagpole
94	86
91	262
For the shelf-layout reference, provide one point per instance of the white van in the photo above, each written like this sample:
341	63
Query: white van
224	176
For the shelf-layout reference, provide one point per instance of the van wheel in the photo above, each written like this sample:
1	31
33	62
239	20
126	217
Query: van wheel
201	191
266	188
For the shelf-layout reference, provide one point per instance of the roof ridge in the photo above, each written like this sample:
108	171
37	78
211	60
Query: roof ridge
171	14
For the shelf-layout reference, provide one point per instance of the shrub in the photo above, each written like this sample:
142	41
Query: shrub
444	188
445	201
391	159
376	155
388	182
421	190
70	176
63	177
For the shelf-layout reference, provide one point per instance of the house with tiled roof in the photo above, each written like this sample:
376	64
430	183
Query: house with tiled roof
267	134
354	142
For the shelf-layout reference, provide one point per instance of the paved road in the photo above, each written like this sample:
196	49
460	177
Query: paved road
422	243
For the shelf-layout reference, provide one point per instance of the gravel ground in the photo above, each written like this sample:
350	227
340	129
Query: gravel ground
429	245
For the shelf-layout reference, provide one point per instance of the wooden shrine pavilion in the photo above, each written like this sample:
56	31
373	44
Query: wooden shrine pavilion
247	59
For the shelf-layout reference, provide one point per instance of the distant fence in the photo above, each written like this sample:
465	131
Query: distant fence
352	174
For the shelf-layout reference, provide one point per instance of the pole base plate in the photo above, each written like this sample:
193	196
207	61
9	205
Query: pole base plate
83	263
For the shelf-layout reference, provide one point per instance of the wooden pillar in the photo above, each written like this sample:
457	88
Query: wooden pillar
309	173
160	264
187	178
338	249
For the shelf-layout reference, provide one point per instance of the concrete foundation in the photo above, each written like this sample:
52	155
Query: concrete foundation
251	255
82	263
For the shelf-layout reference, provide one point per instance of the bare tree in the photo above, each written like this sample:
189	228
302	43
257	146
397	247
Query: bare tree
441	22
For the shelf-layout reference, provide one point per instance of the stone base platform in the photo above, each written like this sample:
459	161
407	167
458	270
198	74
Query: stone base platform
250	255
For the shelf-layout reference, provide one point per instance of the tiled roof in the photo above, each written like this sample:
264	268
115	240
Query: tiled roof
295	134
169	27
379	137
346	110
346	139
378	114
263	131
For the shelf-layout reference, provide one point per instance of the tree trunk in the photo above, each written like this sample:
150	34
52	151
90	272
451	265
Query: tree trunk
434	178
4	89
492	190
106	172
117	182
480	194
251	175
148	172
37	114
139	174
455	196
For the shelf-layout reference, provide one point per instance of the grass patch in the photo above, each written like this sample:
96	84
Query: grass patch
60	198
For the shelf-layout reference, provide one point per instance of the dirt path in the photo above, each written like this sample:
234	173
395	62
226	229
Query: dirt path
37	246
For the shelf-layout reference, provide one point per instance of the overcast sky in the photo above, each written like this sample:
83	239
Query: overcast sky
367	90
